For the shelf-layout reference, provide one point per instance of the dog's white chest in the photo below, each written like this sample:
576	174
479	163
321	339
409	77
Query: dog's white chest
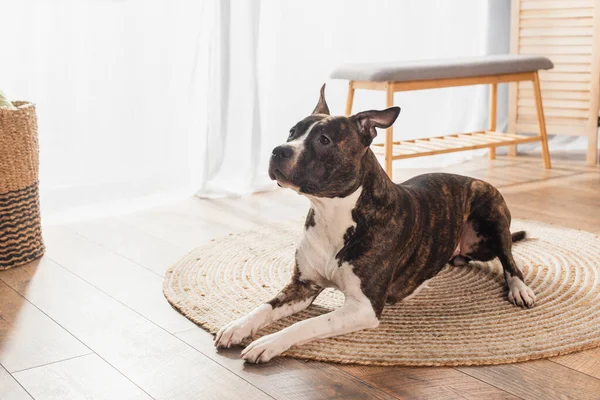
321	243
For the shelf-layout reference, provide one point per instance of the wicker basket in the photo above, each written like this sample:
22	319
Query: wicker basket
20	228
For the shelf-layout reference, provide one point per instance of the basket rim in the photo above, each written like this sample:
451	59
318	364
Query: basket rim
20	105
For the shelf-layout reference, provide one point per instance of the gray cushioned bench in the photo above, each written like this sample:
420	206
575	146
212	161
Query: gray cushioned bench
394	77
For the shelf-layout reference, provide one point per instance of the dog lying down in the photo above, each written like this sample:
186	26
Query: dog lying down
375	241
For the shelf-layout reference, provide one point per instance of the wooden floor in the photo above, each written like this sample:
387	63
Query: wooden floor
90	321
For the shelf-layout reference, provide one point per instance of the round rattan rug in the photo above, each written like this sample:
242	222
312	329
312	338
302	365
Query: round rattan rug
462	318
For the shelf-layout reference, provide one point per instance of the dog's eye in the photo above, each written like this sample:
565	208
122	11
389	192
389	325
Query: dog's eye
292	131
324	140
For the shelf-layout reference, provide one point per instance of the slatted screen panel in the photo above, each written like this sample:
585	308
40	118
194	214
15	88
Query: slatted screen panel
564	31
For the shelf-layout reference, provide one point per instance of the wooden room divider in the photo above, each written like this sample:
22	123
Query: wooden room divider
567	32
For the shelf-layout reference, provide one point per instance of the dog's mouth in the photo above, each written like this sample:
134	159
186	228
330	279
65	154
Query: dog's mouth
277	175
282	180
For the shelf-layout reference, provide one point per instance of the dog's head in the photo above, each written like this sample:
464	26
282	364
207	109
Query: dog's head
323	154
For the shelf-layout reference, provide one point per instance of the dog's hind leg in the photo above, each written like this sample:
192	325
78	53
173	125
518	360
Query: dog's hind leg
518	292
497	241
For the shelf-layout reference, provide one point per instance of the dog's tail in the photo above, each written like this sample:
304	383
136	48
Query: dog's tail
517	236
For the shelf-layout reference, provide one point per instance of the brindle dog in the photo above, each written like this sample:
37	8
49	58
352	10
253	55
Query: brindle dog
368	237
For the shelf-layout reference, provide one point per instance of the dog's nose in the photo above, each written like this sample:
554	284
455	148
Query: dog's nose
282	152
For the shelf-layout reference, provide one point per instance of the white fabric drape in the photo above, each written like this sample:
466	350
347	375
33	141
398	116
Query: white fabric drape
115	83
144	101
233	122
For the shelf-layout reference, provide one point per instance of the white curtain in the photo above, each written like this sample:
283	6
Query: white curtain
115	83
233	132
141	102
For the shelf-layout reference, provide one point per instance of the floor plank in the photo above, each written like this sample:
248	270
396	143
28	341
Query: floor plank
538	380
286	378
427	383
176	226
587	362
10	389
122	279
570	201
156	361
266	207
195	221
28	338
87	377
149	251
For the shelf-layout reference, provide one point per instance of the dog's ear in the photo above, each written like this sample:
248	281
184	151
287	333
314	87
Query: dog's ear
367	121
321	107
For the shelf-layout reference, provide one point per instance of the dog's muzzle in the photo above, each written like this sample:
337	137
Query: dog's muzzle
280	157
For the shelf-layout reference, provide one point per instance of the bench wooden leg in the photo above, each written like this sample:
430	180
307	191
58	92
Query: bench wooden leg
592	149
513	88
593	121
350	98
389	133
541	120
493	109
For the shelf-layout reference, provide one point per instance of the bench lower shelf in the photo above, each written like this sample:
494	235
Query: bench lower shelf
452	143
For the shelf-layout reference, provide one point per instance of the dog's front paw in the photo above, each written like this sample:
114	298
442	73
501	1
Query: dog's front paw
520	294
233	333
264	349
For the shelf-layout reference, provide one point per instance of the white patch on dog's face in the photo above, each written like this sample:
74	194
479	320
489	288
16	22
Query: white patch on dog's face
298	144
